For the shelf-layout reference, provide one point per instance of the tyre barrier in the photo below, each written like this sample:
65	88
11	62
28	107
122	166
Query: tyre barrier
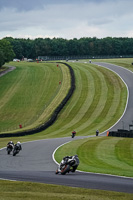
54	115
121	133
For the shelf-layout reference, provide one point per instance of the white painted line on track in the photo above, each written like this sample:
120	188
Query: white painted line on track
112	175
56	150
2	148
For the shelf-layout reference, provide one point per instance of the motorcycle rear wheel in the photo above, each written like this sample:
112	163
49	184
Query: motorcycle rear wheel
15	152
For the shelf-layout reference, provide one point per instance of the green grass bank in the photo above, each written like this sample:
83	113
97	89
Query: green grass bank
37	191
97	103
30	93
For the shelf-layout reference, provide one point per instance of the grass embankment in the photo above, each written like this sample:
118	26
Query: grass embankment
37	191
29	94
108	155
97	103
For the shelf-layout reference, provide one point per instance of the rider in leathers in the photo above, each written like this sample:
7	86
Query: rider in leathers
11	144
64	160
18	146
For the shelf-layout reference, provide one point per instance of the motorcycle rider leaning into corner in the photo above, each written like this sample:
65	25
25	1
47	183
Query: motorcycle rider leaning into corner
64	160
18	146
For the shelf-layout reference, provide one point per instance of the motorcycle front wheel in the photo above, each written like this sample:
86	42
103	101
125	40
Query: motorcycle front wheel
8	151
65	169
15	152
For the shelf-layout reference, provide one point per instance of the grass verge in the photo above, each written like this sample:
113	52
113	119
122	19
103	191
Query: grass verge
37	191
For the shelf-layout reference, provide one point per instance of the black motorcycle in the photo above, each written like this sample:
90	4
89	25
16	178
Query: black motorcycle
97	132
73	134
16	150
9	148
68	165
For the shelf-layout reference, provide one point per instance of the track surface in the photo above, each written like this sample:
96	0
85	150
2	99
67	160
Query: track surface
38	166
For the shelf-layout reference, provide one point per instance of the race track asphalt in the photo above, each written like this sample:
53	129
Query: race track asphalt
35	163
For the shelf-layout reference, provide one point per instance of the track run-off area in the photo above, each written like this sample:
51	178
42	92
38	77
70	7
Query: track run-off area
35	162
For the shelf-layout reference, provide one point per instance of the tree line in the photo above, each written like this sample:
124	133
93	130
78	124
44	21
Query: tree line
28	48
6	52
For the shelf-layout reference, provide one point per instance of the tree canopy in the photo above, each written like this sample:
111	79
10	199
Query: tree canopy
73	47
6	51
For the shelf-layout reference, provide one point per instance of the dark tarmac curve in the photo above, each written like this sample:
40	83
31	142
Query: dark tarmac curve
34	163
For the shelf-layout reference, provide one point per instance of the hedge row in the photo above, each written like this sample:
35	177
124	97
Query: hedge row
121	133
54	115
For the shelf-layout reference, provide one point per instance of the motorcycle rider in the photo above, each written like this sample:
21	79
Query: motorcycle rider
97	132
64	161
73	133
18	146
10	144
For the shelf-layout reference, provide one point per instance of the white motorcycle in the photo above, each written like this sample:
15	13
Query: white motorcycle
68	164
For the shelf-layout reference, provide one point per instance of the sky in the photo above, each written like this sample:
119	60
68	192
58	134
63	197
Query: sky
66	19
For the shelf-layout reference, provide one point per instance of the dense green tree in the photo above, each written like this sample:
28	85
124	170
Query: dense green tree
1	58
6	51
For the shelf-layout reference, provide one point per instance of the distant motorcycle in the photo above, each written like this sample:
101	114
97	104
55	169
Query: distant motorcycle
73	134
9	148
68	164
97	132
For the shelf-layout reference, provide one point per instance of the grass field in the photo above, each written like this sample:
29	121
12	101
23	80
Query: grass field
37	191
97	103
29	94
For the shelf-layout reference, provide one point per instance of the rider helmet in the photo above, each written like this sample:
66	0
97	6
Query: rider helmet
18	142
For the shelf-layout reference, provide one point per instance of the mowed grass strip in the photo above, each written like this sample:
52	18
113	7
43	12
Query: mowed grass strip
56	98
30	90
109	155
97	103
38	191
